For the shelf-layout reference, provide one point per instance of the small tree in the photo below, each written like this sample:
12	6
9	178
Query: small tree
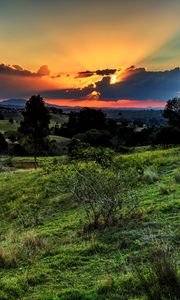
35	127
172	112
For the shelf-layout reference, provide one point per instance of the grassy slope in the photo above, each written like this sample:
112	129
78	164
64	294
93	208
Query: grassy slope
71	264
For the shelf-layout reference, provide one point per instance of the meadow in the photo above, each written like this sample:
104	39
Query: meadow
47	252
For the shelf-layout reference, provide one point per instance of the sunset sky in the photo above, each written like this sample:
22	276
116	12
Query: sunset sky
118	53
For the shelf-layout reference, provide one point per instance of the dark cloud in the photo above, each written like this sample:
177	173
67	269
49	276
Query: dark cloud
135	84
85	74
68	93
139	84
17	67
56	76
17	70
104	72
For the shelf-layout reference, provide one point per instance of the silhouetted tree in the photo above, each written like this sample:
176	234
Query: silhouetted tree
1	116
35	126
86	119
3	144
95	137
11	121
172	112
167	135
91	119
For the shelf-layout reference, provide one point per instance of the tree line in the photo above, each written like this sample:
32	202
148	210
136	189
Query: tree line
87	128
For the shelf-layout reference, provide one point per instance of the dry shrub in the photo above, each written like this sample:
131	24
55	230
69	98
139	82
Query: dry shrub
33	244
8	257
150	176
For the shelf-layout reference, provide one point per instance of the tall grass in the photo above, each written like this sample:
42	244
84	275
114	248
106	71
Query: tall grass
161	280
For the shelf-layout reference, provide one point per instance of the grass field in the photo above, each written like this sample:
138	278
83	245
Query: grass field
45	254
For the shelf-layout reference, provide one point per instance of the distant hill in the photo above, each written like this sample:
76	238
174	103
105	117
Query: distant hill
13	103
19	103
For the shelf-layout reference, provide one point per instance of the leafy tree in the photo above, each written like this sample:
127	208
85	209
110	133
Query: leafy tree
35	126
172	112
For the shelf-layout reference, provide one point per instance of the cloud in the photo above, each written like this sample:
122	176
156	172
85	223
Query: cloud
56	76
17	70
17	67
135	84
76	93
104	72
43	71
85	74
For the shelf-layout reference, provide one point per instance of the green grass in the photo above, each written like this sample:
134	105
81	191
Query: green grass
41	230
6	126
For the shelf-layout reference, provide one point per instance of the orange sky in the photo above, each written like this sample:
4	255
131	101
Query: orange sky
111	104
